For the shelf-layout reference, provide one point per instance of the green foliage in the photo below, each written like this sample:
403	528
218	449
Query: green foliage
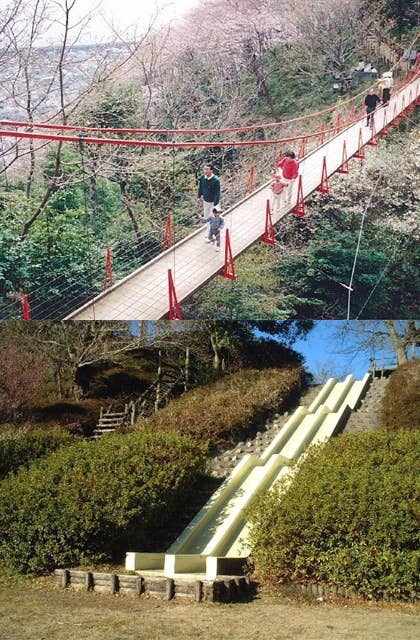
117	106
402	14
57	257
92	501
228	408
348	518
401	404
329	263
19	447
253	296
165	185
291	88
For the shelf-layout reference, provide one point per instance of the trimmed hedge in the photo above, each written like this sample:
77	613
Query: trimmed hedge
92	501
19	447
227	409
401	404
347	519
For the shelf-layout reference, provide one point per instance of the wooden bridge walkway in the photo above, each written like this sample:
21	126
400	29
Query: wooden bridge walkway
143	295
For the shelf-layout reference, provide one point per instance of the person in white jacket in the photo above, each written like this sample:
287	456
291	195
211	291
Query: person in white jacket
385	84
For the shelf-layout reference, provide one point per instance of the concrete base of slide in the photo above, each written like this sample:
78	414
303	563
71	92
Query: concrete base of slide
215	543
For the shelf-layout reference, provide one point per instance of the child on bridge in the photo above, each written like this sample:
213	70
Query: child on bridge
277	187
288	170
216	225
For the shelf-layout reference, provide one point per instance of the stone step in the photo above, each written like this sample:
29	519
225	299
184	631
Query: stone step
368	416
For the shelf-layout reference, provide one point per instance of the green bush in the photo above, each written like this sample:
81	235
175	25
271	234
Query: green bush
348	518
228	408
19	446
94	500
401	404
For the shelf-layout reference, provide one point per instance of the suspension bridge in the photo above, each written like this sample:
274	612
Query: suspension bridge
157	289
146	293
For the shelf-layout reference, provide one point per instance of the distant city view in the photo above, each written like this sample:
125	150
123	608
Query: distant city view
42	79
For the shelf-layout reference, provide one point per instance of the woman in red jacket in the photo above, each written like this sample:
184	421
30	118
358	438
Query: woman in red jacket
288	170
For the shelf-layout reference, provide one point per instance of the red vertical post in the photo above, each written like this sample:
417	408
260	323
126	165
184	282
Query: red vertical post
344	162
300	209
410	106
394	123
302	149
403	113
168	234
351	113
321	136
228	267
174	308
360	153
324	187
26	311
250	183
108	269
384	132
338	123
269	233
374	140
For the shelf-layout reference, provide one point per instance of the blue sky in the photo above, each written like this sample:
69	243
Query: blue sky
330	350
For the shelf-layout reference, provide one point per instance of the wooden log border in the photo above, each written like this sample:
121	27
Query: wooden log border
224	589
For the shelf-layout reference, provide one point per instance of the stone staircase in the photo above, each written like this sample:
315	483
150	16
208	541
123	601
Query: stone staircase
368	416
221	465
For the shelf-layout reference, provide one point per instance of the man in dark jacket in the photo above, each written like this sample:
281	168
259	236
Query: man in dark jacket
209	190
371	103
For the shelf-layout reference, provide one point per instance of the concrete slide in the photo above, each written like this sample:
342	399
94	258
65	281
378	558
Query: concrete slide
216	540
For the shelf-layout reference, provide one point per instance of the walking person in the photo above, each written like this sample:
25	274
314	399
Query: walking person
385	84
209	189
277	187
216	224
288	170
371	102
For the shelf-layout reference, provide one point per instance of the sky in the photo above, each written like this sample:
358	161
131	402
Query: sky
329	353
126	16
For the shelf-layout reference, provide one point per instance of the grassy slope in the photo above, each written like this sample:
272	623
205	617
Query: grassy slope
229	408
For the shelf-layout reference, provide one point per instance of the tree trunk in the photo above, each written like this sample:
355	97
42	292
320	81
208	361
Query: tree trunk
397	342
52	188
187	369
131	213
76	390
92	195
217	359
59	384
159	382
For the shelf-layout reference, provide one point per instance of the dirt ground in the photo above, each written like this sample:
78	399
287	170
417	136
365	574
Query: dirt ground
39	610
